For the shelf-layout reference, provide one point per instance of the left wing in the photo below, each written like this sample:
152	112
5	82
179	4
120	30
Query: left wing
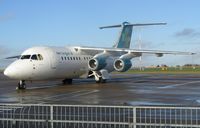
13	57
135	52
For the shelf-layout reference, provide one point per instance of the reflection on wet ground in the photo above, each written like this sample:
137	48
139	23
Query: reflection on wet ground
122	89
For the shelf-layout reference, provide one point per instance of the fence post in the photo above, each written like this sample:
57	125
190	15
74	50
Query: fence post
51	115
134	117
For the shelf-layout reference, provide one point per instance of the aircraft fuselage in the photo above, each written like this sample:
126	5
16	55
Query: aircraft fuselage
56	63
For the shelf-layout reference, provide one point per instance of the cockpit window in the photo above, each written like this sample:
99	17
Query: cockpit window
25	57
40	57
34	57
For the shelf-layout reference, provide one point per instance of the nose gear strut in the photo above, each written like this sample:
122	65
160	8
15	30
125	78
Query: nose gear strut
21	85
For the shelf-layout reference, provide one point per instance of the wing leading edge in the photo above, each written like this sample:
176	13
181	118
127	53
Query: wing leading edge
138	52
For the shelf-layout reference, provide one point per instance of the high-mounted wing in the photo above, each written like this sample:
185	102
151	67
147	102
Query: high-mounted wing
118	58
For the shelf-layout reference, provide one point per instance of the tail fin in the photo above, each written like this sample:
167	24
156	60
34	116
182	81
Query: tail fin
126	33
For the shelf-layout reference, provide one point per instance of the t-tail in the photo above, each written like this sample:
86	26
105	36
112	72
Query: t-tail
124	38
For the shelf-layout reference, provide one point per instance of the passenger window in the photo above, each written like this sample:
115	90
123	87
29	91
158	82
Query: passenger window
40	57
25	57
34	57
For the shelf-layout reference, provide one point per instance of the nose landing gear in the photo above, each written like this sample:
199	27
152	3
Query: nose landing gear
21	85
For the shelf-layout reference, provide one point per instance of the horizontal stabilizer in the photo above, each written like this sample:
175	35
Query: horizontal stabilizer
126	24
124	38
112	26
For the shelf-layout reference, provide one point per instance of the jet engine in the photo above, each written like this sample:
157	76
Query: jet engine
97	63
122	64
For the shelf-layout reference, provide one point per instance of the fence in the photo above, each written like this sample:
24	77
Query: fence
93	116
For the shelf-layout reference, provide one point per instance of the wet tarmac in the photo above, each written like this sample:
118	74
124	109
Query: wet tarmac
122	89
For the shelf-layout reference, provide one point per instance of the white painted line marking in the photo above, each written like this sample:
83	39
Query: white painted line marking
85	93
82	93
43	87
176	85
54	96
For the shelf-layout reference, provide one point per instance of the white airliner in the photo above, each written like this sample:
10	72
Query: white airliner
67	63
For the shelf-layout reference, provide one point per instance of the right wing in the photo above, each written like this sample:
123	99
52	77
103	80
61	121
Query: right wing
135	52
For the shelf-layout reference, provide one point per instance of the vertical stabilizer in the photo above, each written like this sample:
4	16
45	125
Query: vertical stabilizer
124	38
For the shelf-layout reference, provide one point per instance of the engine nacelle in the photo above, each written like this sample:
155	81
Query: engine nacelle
122	64
97	63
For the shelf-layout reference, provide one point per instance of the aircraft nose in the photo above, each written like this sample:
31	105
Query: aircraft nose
10	71
6	72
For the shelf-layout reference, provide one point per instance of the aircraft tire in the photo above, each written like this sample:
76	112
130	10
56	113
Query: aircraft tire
101	80
67	81
21	85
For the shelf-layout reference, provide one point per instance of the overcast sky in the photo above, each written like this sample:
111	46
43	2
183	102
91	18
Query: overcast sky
27	23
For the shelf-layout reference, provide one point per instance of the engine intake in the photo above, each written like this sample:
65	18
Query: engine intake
122	65
97	63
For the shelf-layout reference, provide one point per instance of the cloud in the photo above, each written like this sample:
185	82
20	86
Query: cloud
3	50
145	44
187	32
6	17
6	51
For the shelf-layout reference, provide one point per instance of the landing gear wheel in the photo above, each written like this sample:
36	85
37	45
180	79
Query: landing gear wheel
98	81
21	85
101	80
67	81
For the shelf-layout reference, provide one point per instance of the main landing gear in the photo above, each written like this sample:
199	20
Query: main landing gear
21	85
67	81
101	80
100	76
